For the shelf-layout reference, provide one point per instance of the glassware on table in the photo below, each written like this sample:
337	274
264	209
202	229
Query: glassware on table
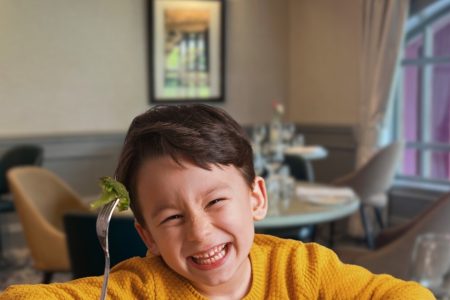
288	131
430	262
273	193
287	189
259	133
298	140
275	131
259	163
280	190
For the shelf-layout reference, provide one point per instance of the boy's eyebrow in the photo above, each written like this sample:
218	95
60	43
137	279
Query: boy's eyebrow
159	209
221	186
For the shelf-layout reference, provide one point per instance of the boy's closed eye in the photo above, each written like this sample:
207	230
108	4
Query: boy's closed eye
171	218
215	202
177	217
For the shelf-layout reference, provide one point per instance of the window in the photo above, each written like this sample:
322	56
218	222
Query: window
422	112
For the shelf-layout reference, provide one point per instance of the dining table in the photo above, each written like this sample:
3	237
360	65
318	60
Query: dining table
311	204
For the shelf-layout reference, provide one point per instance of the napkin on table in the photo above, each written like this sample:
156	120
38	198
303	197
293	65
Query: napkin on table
325	195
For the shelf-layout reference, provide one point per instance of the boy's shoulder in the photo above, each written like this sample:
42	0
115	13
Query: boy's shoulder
320	273
270	247
305	256
268	242
272	243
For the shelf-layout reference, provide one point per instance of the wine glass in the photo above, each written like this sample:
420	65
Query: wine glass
273	194
259	163
259	133
299	140
430	262
288	131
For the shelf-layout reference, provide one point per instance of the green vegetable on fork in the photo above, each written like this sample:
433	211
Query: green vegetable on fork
112	190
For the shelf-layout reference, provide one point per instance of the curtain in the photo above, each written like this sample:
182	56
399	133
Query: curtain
382	26
382	36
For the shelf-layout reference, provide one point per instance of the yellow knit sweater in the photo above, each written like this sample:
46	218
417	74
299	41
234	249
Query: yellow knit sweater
281	269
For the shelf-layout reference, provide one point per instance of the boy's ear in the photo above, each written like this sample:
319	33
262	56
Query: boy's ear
259	199
146	236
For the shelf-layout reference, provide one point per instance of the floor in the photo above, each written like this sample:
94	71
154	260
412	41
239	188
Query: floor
19	268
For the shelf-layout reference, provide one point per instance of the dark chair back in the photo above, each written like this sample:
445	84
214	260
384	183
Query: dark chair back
299	168
86	255
18	156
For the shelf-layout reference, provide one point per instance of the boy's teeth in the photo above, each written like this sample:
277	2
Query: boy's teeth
210	256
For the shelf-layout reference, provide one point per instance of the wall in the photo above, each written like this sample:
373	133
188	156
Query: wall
80	66
71	66
257	58
323	56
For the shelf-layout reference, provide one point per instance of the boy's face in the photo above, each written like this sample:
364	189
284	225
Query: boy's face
200	221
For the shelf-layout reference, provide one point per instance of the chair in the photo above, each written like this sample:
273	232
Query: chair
394	246
299	168
86	255
371	182
41	199
15	156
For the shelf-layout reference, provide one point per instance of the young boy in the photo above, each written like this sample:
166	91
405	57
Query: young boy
195	196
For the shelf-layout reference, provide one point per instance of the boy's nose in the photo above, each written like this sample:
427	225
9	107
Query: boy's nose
198	228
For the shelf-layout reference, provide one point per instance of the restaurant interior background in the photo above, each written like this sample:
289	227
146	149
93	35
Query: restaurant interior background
74	73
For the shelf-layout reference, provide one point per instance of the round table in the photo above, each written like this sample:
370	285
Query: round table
298	212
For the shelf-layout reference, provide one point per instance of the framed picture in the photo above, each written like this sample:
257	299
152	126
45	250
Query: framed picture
187	51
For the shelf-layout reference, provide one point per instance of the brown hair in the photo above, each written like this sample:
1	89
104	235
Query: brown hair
199	133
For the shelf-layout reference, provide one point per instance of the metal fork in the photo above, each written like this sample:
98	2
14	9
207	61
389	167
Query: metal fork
102	226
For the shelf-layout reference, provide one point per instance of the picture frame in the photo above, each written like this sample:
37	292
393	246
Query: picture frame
187	57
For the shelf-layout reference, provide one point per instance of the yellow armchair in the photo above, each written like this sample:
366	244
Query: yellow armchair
41	199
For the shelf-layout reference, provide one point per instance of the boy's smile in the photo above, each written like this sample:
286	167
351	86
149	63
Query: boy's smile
211	258
201	222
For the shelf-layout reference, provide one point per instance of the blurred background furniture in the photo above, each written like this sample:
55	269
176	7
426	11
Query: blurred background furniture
371	182
394	246
297	218
299	167
86	255
41	199
15	156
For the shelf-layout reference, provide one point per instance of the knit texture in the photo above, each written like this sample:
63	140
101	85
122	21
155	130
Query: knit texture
281	269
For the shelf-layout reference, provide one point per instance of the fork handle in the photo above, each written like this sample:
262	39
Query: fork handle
105	278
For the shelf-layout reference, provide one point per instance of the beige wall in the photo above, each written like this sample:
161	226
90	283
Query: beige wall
71	66
257	57
323	56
